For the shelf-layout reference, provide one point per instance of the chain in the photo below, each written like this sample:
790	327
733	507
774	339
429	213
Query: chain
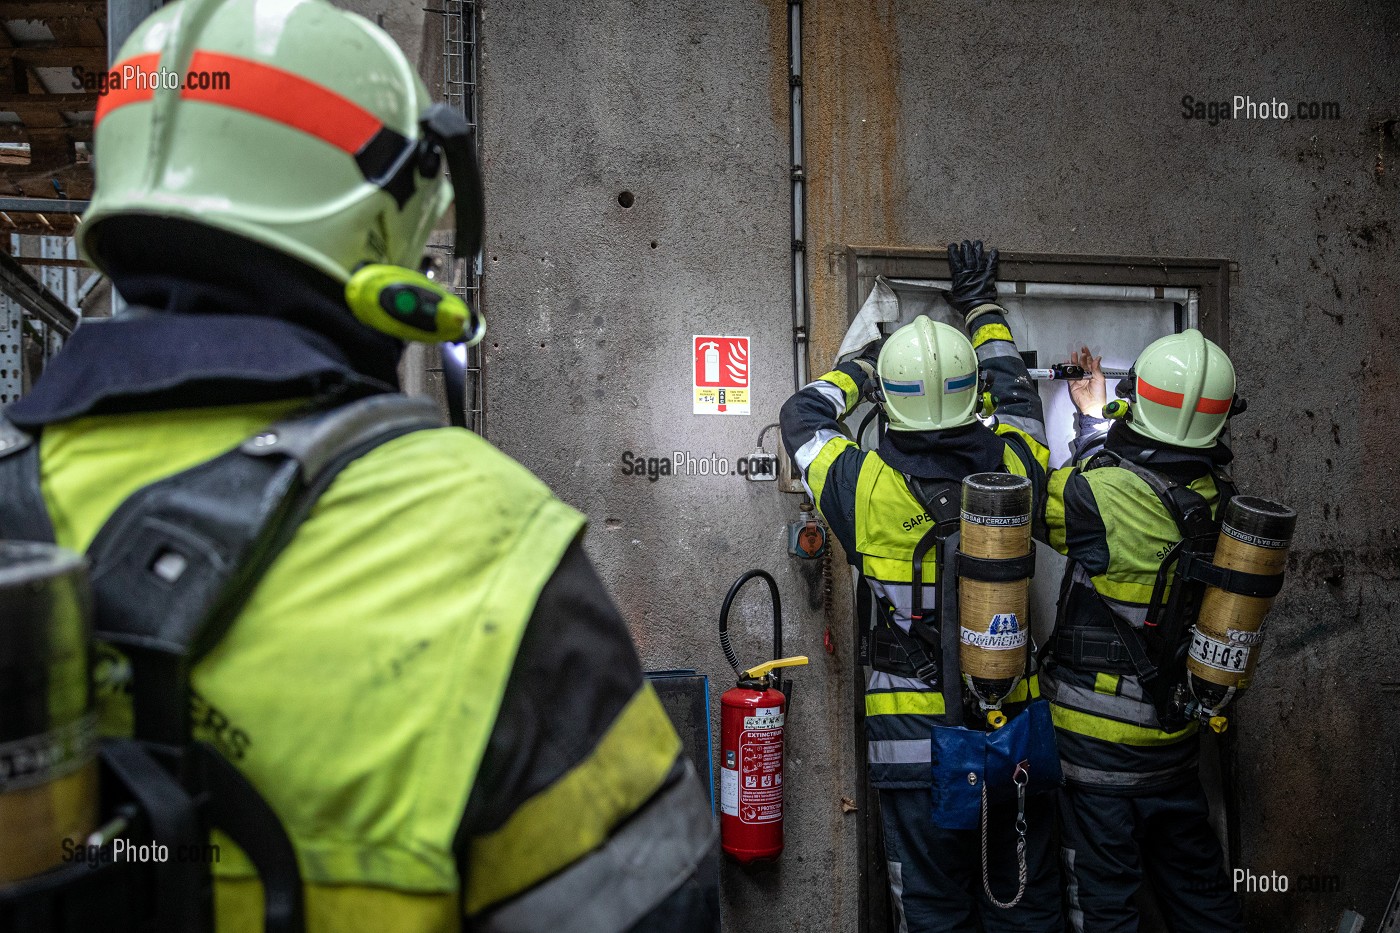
1022	776
826	581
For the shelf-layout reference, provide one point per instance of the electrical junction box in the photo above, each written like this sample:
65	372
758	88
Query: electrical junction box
759	466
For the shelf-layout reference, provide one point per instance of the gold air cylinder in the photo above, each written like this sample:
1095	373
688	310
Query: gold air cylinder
48	766
1254	538
996	523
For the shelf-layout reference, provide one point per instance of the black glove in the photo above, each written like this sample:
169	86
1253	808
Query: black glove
974	275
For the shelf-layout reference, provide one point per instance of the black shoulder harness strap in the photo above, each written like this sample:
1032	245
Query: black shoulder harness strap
1194	522
197	543
174	565
943	502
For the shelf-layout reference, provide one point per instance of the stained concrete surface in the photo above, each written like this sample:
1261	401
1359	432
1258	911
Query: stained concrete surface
1038	126
592	306
1058	127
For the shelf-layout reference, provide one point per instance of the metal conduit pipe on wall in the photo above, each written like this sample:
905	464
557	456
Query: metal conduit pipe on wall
1088	292
461	85
799	198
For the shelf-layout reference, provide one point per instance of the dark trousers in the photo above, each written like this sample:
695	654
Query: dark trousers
1110	843
936	874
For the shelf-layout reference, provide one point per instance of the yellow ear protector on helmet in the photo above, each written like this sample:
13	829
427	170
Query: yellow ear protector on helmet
410	306
1121	408
405	303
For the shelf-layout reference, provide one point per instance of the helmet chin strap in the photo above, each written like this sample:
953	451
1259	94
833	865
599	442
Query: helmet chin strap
450	133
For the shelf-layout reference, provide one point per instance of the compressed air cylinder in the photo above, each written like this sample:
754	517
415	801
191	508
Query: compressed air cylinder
1254	538
996	523
48	769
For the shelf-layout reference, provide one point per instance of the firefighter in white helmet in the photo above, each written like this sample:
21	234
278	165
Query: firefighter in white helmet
1133	806
429	685
926	375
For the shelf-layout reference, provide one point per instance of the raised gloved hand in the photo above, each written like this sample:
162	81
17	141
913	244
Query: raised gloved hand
974	276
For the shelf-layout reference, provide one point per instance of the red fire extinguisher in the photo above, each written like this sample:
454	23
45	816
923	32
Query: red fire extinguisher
751	744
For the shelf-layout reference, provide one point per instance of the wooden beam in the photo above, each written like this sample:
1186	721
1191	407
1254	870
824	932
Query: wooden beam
42	261
43	205
77	102
26	228
19	133
47	9
93	58
34	297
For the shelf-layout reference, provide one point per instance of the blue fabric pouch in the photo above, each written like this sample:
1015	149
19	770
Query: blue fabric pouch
966	760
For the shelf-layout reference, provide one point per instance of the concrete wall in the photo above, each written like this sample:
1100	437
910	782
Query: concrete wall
1041	127
1045	126
591	309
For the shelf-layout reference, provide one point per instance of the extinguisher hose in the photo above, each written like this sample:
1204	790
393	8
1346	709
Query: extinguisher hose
777	617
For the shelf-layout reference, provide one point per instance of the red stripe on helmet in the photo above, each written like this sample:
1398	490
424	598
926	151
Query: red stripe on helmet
1213	406
259	89
120	93
286	98
1206	406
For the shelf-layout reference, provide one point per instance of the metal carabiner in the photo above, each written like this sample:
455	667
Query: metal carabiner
1022	777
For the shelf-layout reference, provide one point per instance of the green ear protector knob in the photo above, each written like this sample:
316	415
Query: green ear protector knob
1119	409
410	306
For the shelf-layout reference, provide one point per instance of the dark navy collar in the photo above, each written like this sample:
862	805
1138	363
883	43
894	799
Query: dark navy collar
148	361
949	454
1178	463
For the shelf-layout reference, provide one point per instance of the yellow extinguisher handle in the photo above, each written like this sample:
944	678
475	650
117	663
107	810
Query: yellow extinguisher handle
762	670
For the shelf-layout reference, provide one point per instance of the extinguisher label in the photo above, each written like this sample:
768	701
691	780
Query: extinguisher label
766	719
760	790
729	791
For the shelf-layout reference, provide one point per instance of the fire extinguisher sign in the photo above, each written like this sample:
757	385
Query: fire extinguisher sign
721	375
